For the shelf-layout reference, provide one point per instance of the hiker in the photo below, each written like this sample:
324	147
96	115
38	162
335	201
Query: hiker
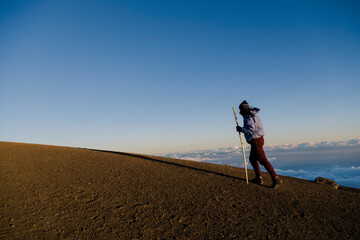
254	134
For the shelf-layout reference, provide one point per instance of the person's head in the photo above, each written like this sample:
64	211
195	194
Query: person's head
244	108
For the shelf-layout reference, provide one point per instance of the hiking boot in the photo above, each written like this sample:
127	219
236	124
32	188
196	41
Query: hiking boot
258	181
276	182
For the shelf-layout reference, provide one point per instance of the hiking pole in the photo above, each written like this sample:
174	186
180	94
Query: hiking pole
243	149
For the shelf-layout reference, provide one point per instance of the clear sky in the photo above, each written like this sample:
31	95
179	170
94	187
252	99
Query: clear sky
163	76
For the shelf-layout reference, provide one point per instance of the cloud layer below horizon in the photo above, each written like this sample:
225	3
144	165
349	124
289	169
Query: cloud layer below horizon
337	160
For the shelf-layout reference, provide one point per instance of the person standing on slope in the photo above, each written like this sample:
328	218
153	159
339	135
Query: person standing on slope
254	134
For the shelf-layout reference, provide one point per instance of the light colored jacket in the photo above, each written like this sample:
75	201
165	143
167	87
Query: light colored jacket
253	127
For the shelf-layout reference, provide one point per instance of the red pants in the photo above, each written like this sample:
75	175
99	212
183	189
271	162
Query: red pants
257	155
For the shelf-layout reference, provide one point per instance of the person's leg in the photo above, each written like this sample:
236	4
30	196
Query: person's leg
259	142
253	159
263	161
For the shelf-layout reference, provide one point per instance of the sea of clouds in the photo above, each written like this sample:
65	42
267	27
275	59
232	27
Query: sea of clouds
337	160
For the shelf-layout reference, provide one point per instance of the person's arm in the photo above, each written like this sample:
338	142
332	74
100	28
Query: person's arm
239	129
249	126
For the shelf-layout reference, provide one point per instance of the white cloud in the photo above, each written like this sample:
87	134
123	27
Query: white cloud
338	160
311	145
290	171
236	151
343	175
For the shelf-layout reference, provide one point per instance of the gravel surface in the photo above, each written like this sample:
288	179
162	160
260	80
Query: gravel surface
50	192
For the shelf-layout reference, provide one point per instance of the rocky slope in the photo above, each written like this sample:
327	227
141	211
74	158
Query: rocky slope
50	192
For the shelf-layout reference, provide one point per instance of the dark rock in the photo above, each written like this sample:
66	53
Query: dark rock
326	181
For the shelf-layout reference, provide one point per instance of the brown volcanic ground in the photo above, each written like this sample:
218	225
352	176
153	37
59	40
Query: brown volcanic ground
50	192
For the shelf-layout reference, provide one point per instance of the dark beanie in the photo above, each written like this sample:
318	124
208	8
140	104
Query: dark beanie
244	105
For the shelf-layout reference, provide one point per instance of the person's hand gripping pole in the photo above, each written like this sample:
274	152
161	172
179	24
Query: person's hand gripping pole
243	149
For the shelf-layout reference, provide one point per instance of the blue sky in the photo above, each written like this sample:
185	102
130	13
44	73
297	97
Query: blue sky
162	76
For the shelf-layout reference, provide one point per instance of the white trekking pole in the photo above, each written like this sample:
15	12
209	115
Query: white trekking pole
243	149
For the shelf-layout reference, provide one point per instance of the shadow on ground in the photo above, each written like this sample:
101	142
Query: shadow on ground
170	163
